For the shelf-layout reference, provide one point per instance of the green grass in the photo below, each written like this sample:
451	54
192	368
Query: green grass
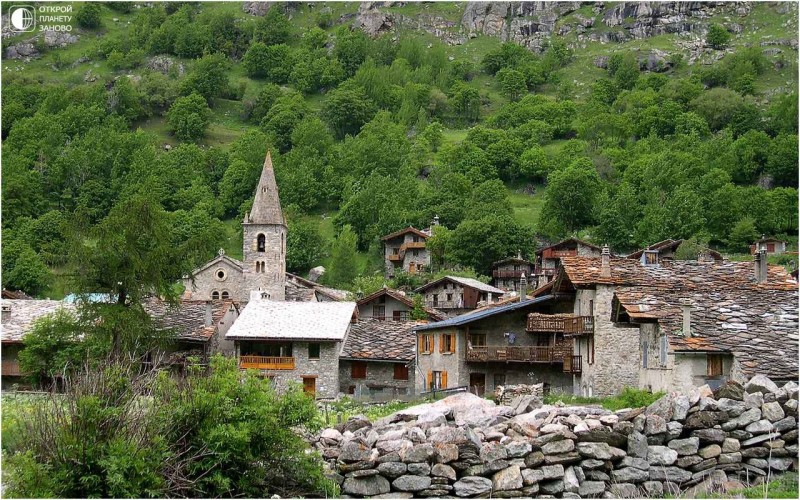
628	398
526	207
783	486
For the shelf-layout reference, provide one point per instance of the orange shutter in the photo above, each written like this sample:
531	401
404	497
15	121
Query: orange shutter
420	341
441	344
430	380
444	380
452	343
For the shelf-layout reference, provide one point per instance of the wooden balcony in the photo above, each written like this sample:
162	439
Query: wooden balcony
411	244
555	254
510	273
568	324
445	304
395	257
266	363
521	354
11	369
572	364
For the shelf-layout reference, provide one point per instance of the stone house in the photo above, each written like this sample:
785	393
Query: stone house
769	245
507	273
389	304
625	312
264	250
493	347
376	357
405	250
293	342
547	258
665	250
454	295
18	318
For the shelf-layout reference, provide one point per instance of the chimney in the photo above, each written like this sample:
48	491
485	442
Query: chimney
523	287
605	263
208	314
760	264
435	220
686	308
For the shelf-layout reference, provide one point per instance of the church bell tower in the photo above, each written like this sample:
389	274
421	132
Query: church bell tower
264	235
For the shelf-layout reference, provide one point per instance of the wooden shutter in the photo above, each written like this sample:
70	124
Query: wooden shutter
429	380
444	380
714	365
441	343
452	343
420	341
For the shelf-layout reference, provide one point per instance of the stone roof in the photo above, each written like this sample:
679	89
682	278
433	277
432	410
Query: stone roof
279	320
566	241
433	314
188	318
16	294
266	204
312	288
221	257
668	245
519	260
470	282
381	340
20	314
408	229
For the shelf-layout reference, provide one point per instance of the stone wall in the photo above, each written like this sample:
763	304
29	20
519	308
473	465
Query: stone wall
207	281
683	444
272	279
380	379
325	369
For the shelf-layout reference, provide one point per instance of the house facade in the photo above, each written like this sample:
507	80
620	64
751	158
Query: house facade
548	258
391	305
293	342
405	250
494	347
507	273
454	295
769	245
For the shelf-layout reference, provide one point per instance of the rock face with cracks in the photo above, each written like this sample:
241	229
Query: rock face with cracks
466	446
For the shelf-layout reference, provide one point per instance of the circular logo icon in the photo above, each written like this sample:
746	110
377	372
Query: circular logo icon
22	18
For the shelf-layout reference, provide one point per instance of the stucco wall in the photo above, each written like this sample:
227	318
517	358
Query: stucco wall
379	380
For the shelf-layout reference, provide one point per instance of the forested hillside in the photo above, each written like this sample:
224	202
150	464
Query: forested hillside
612	123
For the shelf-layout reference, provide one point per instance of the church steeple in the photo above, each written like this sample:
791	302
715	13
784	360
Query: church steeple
267	203
264	245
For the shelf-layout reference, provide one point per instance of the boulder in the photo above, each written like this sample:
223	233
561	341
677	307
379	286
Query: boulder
517	449
760	383
655	424
446	452
710	435
411	483
316	273
590	489
637	445
392	469
557	447
661	407
571	482
366	486
507	479
730	445
629	475
442	470
531	476
472	486
733	407
600	451
525	403
680	407
759	427
772	411
688	446
753	400
672	474
551	487
639	463
354	452
710	451
624	490
661	455
552	471
417	453
419	469
731	390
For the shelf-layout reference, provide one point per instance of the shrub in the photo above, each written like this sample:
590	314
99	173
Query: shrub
188	117
718	37
89	16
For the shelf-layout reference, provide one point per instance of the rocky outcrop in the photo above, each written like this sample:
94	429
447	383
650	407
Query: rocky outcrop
164	64
256	8
467	446
29	48
372	20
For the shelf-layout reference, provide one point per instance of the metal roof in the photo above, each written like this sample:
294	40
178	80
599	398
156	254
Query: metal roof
475	316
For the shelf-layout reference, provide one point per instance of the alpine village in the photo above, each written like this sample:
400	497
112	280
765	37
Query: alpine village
400	249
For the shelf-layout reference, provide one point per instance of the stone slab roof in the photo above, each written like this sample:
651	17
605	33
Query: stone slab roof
312	288
566	241
433	314
264	319
188	318
403	231
266	204
16	294
376	340
470	282
20	314
670	245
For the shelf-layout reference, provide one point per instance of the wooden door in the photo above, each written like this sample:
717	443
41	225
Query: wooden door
477	383
470	298
310	386
412	268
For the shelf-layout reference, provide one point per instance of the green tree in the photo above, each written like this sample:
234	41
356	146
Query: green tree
466	101
344	268
534	164
782	160
88	16
188	117
742	235
513	83
305	246
718	37
23	269
209	77
53	347
568	200
347	109
350	48
477	243
273	28
690	249
273	62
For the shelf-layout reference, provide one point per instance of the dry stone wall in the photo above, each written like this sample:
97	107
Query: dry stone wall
466	446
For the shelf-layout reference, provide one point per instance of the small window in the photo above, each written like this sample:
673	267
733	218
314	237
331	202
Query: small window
400	315
426	344
400	372
215	295
449	297
225	295
313	350
220	274
714	368
261	243
358	369
379	312
477	339
448	343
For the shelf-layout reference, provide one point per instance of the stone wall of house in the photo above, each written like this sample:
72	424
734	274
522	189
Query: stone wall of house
272	280
442	290
391	305
683	445
325	369
422	256
379	381
207	281
218	343
616	350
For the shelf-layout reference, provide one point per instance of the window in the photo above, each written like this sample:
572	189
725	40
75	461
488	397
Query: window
358	369
449	297
426	344
448	343
225	295
379	312
310	385
220	275
435	299
437	380
400	372
313	350
400	315
644	354
395	251
499	379
215	295
662	352
477	339
714	368
261	243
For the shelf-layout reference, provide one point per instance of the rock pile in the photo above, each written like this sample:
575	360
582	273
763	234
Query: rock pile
466	446
506	394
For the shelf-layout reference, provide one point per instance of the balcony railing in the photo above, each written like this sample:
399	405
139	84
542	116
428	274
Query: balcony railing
568	324
395	257
544	271
411	244
572	364
266	362
445	304
510	273
555	254
521	354
11	368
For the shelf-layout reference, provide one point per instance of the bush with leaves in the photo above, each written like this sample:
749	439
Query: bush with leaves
718	37
188	117
88	16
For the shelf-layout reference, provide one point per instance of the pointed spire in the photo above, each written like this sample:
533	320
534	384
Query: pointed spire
267	204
